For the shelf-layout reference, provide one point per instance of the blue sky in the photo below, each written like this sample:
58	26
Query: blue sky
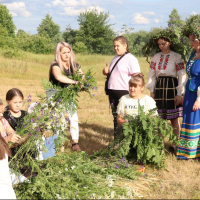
137	14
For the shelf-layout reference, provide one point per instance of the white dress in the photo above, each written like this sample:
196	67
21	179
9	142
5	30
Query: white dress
6	190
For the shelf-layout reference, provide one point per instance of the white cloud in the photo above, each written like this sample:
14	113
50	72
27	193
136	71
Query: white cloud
117	1
70	3
18	8
149	13
99	9
70	11
57	3
112	16
13	14
48	5
193	13
139	19
156	21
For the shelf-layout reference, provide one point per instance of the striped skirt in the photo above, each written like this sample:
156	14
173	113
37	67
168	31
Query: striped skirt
165	93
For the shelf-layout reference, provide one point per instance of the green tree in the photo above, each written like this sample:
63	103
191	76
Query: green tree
70	35
136	40
175	19
48	28
95	32
5	39
6	20
57	38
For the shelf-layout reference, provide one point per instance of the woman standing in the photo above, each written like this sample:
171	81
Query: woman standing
189	142
121	74
65	62
163	84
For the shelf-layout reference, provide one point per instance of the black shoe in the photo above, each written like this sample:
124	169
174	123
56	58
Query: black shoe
171	149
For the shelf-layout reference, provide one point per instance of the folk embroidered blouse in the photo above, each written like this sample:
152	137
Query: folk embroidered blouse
170	64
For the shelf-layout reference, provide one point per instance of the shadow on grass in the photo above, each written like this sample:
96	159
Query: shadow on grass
92	137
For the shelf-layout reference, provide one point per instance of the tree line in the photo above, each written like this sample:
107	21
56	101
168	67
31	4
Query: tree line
94	36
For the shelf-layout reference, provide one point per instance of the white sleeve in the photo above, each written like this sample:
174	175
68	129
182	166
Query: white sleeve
121	107
134	66
151	104
181	75
152	76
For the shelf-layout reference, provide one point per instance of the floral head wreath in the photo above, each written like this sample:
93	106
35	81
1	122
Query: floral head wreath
173	34
192	26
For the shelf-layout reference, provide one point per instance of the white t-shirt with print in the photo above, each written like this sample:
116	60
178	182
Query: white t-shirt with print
129	106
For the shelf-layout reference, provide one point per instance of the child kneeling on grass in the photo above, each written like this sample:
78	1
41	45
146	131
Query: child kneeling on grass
128	104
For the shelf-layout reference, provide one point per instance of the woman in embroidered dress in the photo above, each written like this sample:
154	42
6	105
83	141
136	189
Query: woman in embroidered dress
118	81
164	86
189	142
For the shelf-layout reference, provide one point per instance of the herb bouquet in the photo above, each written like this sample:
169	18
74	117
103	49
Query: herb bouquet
49	117
68	95
145	133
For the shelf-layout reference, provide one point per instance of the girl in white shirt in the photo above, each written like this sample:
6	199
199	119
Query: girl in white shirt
165	87
128	104
6	190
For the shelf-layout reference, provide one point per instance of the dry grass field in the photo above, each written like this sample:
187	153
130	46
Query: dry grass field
180	179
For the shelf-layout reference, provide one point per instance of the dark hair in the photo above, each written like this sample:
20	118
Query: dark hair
165	39
4	149
136	80
13	93
123	41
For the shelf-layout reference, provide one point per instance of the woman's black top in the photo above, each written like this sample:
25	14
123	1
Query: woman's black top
14	121
67	73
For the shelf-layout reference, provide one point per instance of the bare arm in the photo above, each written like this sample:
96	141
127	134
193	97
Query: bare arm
14	138
9	130
60	77
106	70
121	120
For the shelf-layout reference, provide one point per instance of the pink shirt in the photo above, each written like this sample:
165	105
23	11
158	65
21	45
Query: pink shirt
3	124
122	72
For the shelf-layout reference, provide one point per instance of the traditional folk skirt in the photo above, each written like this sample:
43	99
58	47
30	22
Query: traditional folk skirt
165	93
189	142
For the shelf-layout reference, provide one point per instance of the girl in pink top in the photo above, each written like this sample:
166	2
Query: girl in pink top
6	130
120	76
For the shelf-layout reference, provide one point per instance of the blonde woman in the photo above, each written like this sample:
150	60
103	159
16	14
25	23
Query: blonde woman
65	62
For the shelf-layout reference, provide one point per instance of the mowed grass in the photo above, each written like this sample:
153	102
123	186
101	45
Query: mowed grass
180	180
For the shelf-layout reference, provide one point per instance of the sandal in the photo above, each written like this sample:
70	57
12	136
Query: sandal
76	147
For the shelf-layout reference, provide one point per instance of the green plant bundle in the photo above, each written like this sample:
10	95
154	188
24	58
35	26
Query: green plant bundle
179	43
50	116
145	133
68	95
192	26
46	118
78	176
